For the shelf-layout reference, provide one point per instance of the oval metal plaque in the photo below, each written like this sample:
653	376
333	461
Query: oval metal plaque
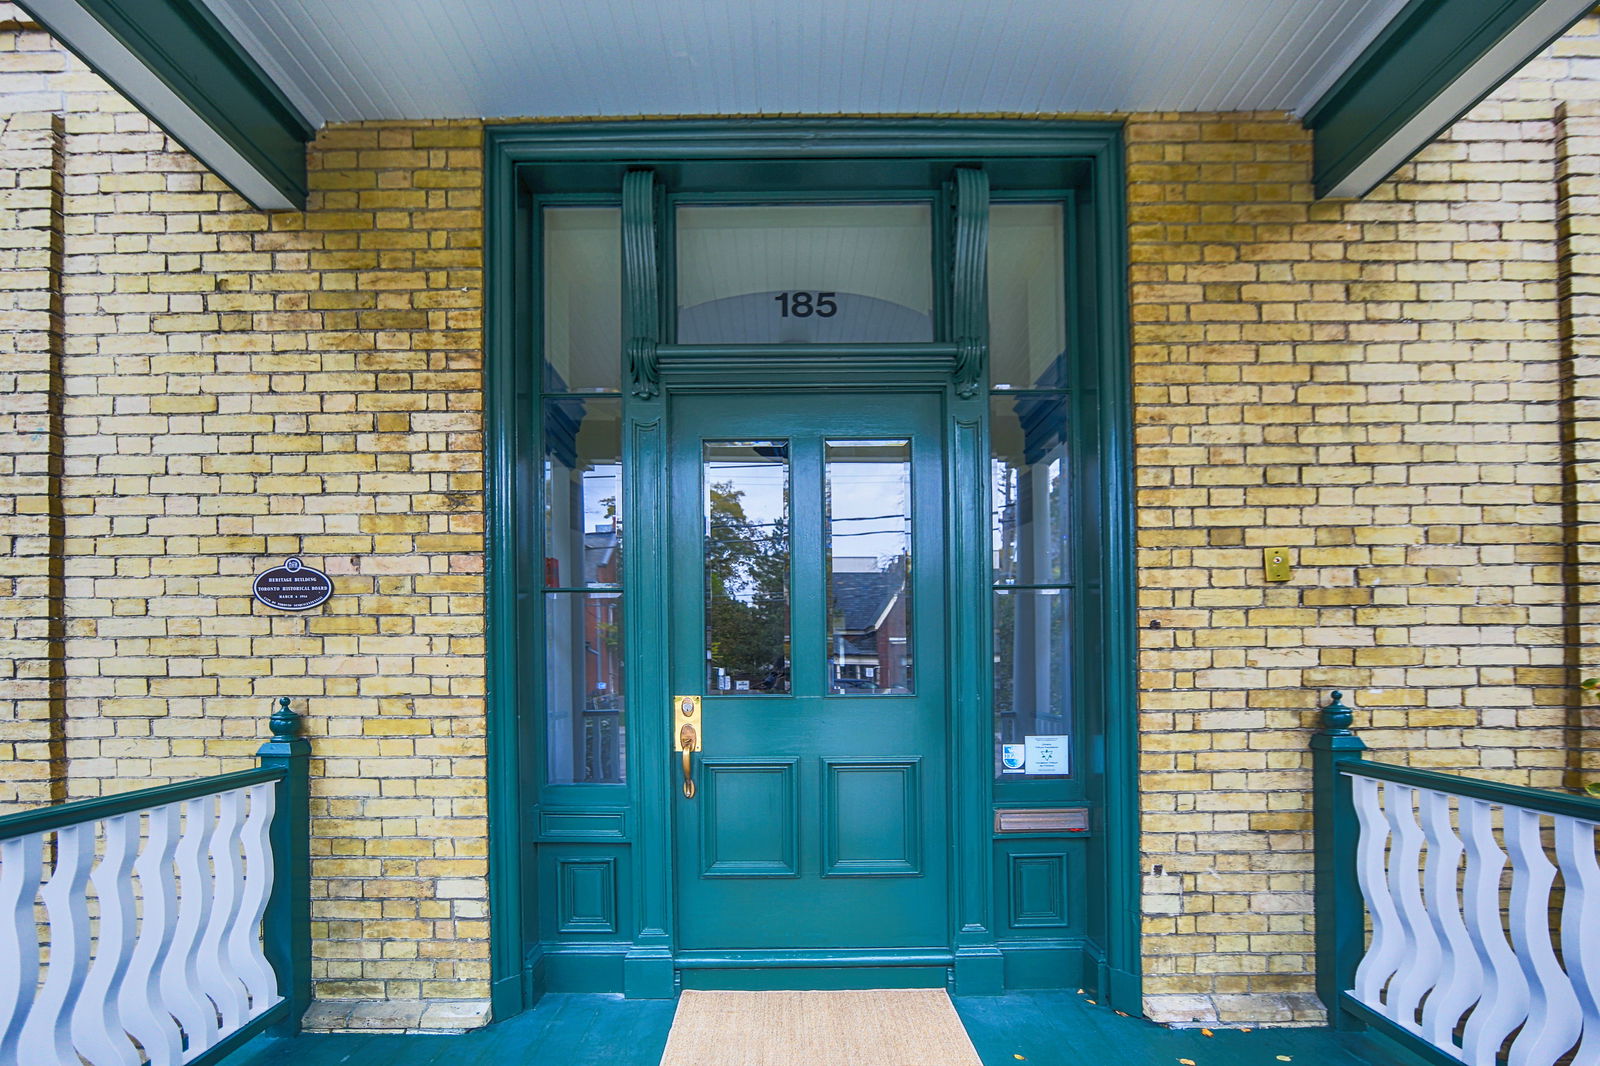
294	586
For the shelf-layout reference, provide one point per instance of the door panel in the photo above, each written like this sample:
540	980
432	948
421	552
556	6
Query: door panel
807	609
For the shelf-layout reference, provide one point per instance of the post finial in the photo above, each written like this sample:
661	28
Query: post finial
285	722
1336	717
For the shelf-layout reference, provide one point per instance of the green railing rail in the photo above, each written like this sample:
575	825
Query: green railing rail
286	923
1341	918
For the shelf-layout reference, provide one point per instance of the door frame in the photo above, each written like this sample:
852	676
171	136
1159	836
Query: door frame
508	377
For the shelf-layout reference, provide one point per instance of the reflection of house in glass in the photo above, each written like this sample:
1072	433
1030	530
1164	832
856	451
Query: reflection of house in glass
583	598
602	646
868	649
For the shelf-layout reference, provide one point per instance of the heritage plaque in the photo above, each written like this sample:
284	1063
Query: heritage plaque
294	586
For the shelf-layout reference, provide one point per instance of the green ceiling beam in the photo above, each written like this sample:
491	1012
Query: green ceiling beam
1433	62
181	67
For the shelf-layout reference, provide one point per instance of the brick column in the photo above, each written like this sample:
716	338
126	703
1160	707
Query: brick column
32	629
1578	227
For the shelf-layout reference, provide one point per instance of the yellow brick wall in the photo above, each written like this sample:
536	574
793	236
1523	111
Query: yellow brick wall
240	387
1378	386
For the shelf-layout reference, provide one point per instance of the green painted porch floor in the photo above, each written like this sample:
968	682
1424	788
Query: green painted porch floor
1039	1028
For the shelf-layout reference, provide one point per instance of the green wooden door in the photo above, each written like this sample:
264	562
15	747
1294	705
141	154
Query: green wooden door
808	609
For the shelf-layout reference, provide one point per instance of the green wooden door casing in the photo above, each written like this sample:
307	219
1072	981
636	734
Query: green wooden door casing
607	914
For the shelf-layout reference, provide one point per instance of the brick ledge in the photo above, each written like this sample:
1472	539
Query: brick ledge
395	1015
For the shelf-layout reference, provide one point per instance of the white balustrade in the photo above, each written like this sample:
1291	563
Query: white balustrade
149	943
1463	955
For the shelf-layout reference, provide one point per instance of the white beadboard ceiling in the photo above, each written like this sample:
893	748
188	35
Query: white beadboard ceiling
343	60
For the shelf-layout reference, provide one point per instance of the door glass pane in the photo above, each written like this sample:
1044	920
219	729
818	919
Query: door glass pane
746	500
1032	695
582	491
1027	296
582	299
805	274
1028	486
868	516
583	687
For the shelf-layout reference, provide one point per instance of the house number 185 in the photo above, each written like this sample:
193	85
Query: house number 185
805	304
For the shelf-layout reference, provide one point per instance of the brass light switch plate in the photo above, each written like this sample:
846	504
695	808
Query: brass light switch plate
1278	564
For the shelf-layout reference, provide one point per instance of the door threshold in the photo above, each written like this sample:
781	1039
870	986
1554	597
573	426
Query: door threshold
812	958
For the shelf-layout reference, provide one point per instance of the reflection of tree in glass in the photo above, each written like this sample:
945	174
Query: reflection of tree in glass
747	591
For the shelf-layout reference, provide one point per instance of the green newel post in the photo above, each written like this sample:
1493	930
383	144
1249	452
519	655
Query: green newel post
286	930
1340	933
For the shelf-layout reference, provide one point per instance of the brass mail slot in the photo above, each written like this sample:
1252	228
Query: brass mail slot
1041	820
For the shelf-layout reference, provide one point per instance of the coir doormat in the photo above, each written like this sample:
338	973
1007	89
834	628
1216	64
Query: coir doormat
880	1027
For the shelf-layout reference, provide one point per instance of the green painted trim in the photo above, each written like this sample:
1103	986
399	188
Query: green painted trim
1107	337
802	959
505	266
1340	917
61	815
194	56
676	140
1536	799
1418	58
1405	1040
969	268
640	293
275	1016
286	922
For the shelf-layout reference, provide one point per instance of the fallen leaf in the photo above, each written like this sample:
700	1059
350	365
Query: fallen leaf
1244	1030
1093	1002
1207	1032
1122	1014
1080	991
1022	1058
1285	1058
1185	1062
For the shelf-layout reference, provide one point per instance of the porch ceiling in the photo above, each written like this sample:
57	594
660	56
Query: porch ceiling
391	59
243	83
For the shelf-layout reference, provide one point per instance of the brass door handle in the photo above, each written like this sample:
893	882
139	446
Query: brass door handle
687	738
686	749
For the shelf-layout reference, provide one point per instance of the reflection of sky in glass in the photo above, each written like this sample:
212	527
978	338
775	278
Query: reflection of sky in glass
867	504
602	491
869	497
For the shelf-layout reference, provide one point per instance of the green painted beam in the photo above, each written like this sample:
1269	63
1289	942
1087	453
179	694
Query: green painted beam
1434	61
183	68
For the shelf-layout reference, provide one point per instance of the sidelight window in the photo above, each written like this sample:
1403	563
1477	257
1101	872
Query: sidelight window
580	578
1031	491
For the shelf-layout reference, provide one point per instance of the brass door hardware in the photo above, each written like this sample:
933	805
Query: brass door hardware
686	739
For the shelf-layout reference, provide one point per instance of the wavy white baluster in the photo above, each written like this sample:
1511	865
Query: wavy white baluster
1459	980
1553	1019
1419	946
1580	927
219	980
1504	1001
243	938
97	1021
47	1035
1383	953
180	977
21	866
143	1013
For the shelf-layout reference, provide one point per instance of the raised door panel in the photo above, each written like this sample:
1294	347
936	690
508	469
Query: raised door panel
871	817
749	825
1038	896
